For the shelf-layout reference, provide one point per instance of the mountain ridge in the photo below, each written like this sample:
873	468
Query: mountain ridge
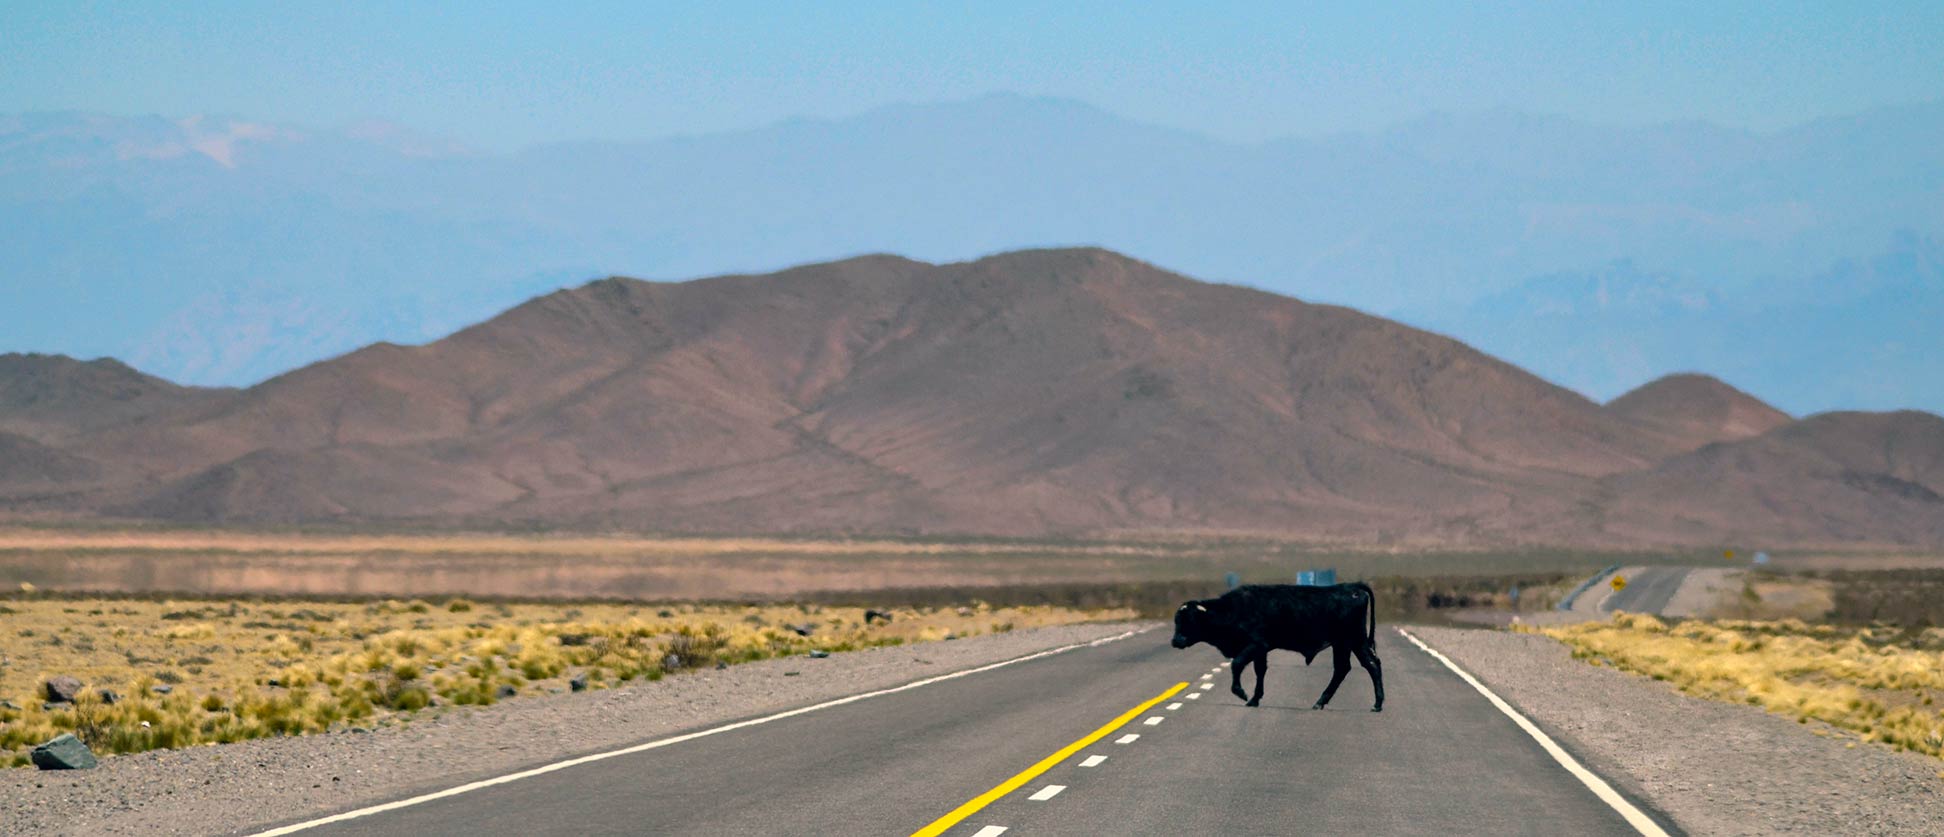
1051	392
319	241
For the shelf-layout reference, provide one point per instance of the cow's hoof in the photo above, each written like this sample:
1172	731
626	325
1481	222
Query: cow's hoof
1317	706
1376	709
1240	695
1254	703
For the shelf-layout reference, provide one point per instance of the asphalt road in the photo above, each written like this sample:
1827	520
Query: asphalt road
1438	760
1649	589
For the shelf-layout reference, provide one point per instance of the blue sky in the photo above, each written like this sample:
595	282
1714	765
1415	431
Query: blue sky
501	76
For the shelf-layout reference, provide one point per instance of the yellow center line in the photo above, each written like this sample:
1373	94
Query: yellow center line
938	826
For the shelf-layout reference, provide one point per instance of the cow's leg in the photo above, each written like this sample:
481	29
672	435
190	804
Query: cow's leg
1368	657
1236	665
1261	666
1341	656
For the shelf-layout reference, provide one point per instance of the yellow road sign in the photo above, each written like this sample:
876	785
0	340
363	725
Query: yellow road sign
1728	554
1619	583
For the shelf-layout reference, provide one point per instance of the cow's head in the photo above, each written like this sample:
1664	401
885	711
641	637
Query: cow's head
1189	621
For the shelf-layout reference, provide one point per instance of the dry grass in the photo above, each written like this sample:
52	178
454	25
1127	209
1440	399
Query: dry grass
234	670
484	544
1881	683
1772	596
245	563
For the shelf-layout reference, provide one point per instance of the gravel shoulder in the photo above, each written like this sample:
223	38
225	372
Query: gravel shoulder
1715	768
1703	588
235	787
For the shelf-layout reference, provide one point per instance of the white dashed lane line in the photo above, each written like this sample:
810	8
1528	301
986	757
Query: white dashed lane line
1207	686
1193	695
1050	791
1208	677
1047	793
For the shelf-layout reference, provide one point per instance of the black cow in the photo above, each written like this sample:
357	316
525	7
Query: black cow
1249	621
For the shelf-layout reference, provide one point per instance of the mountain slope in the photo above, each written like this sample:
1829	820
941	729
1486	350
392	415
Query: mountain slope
53	397
1692	410
1042	392
1830	478
1031	392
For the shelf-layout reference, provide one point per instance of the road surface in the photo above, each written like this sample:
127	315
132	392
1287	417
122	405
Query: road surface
1649	589
1439	760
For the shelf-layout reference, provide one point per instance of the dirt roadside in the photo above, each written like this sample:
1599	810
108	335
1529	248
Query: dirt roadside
1715	768
231	788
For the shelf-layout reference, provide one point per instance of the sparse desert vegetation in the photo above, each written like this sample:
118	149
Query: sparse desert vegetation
347	564
163	674
1880	682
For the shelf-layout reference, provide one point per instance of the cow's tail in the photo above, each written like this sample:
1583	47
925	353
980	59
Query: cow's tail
1370	613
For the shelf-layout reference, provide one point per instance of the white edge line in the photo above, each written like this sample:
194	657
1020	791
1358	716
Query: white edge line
664	742
991	831
1627	810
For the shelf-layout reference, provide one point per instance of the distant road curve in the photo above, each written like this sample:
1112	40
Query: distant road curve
1649	590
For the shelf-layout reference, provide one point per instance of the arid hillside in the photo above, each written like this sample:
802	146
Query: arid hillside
1691	410
1053	392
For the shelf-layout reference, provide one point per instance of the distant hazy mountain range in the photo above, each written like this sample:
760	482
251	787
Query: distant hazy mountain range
1047	392
220	251
1864	333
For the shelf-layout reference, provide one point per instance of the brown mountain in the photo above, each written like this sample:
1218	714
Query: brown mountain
1691	410
1040	392
1834	477
56	398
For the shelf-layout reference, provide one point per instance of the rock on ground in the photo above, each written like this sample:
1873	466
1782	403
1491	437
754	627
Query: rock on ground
65	752
63	689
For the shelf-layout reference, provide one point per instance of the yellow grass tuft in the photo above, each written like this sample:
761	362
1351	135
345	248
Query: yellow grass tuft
1880	683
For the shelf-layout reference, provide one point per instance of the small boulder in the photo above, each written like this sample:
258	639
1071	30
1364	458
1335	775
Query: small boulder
875	616
671	662
163	689
804	629
65	752
10	705
721	664
62	689
506	691
578	683
819	653
109	697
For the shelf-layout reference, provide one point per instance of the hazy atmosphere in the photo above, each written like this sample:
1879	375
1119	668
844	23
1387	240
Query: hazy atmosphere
901	418
219	194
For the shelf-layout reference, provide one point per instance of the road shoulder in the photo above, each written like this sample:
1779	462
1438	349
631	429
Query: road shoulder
1715	768
232	788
